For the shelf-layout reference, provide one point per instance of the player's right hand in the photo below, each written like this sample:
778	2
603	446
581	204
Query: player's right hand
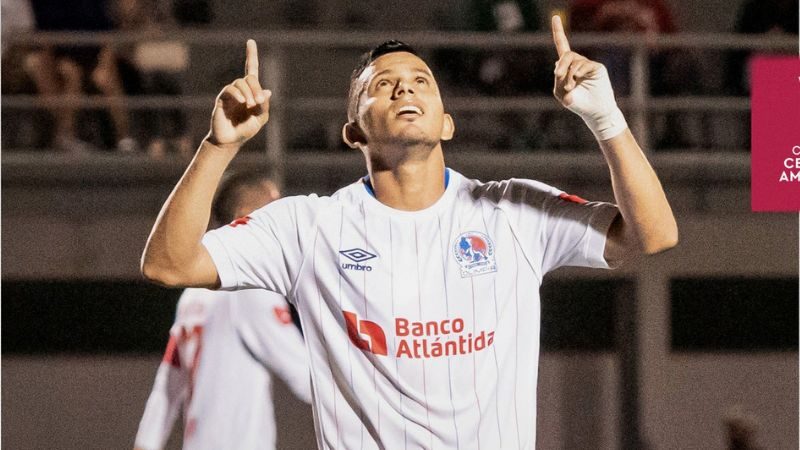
241	108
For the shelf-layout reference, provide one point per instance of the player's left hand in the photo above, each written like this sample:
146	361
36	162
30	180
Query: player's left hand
583	87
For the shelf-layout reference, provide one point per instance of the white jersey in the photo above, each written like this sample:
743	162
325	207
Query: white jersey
423	326
215	368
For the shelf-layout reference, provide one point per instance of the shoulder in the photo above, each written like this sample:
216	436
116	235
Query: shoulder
196	303
291	206
352	194
287	213
307	208
513	191
191	296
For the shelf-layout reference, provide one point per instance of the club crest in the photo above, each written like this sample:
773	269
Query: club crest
474	252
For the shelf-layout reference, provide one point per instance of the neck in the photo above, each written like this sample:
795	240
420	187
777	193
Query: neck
410	185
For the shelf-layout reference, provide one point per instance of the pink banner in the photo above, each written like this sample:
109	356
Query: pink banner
775	115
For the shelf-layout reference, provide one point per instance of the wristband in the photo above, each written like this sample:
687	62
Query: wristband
607	126
593	100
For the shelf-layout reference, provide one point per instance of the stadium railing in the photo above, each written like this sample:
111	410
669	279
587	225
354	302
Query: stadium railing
274	45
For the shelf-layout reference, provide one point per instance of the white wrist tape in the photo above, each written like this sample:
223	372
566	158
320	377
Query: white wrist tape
606	126
593	100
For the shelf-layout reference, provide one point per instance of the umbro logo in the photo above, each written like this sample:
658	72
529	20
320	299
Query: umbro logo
358	256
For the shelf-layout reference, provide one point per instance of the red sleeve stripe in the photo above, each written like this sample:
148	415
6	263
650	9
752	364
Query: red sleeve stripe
171	356
240	221
572	198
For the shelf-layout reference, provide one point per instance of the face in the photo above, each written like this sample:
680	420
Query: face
251	199
400	103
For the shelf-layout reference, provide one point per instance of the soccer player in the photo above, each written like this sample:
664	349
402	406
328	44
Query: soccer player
219	350
417	288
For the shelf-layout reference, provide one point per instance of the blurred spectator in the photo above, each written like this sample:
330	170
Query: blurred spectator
79	70
754	17
499	72
29	126
620	16
757	17
160	63
16	16
510	72
673	73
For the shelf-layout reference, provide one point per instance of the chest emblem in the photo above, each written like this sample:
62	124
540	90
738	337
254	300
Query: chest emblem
474	252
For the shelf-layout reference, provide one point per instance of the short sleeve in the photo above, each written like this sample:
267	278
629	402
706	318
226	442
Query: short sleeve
575	233
556	229
264	249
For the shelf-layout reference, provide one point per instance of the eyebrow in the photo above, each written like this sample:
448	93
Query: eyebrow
416	70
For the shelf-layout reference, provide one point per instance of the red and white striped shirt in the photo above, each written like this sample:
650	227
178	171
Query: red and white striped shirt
423	326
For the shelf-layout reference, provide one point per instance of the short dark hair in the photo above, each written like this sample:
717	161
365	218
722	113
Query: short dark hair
391	46
226	200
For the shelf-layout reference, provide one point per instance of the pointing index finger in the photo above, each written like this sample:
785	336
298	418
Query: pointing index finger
251	60
559	37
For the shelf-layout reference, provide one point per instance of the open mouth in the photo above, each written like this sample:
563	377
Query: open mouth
409	111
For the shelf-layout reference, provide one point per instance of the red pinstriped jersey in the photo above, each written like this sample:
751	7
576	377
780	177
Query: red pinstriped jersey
423	326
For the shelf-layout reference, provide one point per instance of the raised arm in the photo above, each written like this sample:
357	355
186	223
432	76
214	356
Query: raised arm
174	254
647	224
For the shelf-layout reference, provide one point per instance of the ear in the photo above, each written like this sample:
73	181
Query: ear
352	135
448	127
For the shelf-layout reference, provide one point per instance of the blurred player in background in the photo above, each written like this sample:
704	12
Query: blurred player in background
220	352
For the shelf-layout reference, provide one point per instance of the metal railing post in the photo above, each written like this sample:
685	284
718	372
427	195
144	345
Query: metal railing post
272	73
640	95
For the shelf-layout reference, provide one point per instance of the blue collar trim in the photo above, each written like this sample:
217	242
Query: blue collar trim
371	191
